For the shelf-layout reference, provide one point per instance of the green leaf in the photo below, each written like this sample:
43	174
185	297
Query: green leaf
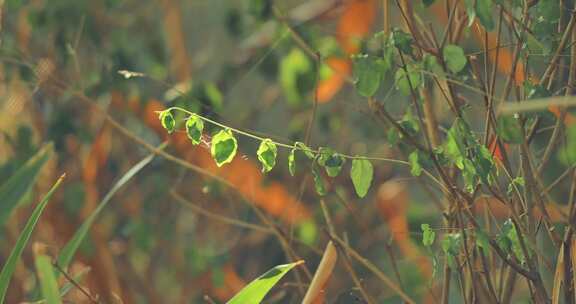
510	130
368	73
403	83
430	63
392	136
535	91
451	243
508	238
451	246
548	10
77	278
516	182
292	162
307	232
401	40
454	58
257	289
10	264
194	128
428	2
48	283
261	9
318	181
67	253
324	154
210	92
546	17
484	13
481	9
415	167
15	188
293	69
567	154
307	151
167	120
409	123
428	235
472	158
454	148
361	174
331	161
470	11
483	161
482	241
267	154
224	147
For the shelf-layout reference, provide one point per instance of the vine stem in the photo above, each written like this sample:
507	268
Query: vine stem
295	145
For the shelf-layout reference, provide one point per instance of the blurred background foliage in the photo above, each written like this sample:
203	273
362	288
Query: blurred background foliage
172	235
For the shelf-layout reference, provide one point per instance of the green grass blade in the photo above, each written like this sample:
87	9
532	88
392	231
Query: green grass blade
67	253
47	277
13	190
77	278
67	286
8	268
257	289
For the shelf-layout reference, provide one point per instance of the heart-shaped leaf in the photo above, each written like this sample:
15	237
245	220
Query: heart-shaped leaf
224	147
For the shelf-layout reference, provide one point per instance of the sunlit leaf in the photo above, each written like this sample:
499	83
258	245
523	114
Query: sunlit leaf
257	289
307	232
428	235
307	151
267	152
361	174
331	161
167	120
415	167
223	148
292	162
293	69
517	182
12	260
194	128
